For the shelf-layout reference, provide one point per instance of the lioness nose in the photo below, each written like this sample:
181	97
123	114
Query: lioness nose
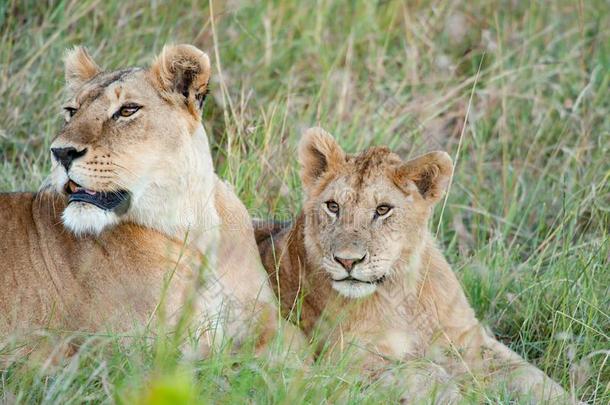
348	264
65	156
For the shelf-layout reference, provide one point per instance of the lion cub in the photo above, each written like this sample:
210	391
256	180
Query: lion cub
366	270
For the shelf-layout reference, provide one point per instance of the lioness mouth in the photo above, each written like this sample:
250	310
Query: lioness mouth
115	201
355	280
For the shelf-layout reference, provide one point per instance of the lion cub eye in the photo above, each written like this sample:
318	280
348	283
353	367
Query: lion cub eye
332	206
382	210
127	110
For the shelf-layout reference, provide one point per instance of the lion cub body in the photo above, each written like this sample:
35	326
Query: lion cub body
360	270
397	322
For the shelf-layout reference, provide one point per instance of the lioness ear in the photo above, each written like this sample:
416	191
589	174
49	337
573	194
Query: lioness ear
430	173
183	70
80	67
318	153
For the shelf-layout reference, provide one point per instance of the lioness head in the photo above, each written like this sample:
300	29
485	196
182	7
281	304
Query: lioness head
366	214
132	140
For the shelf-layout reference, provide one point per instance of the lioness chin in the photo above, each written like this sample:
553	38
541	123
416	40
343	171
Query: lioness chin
133	221
360	269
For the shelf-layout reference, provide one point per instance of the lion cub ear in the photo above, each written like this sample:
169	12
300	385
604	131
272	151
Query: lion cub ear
430	173
80	67
184	72
318	154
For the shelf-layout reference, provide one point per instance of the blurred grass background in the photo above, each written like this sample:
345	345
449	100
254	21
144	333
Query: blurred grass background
527	219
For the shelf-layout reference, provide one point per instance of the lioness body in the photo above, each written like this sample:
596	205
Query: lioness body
54	280
59	281
359	269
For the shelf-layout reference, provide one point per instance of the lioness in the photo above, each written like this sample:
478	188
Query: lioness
360	266
133	222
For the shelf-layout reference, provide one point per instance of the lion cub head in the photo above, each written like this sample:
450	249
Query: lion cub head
132	141
366	214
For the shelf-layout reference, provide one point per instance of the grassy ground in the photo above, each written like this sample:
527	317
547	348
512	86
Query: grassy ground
526	223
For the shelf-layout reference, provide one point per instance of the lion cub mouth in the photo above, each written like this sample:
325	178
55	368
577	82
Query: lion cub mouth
357	280
115	201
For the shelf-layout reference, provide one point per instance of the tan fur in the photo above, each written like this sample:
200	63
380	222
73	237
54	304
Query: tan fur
418	313
80	67
53	279
185	243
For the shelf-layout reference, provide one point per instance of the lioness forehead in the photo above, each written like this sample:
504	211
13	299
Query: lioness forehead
95	87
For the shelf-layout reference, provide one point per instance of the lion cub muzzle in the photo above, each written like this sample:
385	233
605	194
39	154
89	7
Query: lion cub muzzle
348	261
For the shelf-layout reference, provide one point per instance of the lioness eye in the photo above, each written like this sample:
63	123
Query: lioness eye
127	110
332	206
71	111
382	210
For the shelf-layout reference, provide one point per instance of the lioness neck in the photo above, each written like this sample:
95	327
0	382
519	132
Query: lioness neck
185	207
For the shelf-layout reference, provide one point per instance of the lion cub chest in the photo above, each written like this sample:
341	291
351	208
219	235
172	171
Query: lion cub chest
395	327
404	329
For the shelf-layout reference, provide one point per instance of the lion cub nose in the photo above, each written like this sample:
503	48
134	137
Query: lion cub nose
65	156
348	264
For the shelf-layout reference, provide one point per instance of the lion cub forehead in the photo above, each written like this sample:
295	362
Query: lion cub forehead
372	161
370	166
366	177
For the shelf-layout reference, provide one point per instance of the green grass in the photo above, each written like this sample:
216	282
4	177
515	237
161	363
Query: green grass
527	218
